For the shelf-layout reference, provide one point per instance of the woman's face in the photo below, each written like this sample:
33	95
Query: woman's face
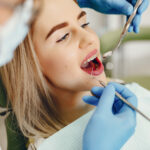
68	50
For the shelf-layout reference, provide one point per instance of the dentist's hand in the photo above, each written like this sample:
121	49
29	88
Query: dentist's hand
107	130
124	7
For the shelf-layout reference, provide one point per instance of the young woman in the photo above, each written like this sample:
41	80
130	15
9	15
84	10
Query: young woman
53	69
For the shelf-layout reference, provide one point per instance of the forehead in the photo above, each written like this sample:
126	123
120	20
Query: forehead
57	11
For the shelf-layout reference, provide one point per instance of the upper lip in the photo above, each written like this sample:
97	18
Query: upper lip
90	56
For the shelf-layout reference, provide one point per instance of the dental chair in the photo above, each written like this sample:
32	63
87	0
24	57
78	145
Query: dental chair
14	137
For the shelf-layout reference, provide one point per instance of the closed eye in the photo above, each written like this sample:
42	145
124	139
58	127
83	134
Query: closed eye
85	25
67	34
63	38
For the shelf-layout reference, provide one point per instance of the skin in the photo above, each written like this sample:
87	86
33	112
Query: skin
60	61
5	11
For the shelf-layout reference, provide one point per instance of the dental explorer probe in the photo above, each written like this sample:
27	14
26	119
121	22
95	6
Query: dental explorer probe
125	29
126	102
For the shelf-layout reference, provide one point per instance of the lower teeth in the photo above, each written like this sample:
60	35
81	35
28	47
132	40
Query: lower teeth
85	65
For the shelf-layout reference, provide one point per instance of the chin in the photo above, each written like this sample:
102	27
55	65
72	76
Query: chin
96	79
92	81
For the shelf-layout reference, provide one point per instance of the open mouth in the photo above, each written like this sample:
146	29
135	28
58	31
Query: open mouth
92	66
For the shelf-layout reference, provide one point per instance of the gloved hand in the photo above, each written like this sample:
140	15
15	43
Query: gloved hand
97	91
106	130
124	7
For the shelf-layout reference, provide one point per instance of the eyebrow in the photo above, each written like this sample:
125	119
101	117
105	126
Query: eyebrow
62	25
83	13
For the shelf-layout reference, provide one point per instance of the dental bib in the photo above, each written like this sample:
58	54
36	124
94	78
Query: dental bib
70	137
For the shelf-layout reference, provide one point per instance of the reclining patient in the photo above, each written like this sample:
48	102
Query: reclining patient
59	56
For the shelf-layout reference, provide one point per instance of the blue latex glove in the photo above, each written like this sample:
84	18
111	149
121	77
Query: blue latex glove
106	130
124	7
97	91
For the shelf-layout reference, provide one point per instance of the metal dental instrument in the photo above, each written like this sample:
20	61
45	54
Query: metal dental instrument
125	29
126	102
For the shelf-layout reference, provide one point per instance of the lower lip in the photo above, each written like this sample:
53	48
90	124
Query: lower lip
98	70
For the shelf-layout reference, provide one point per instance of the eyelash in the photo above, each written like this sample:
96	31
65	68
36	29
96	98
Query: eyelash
63	38
85	25
67	34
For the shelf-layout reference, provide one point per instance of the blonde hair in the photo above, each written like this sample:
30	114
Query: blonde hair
29	94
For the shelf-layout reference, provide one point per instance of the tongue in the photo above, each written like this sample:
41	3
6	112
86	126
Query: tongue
92	65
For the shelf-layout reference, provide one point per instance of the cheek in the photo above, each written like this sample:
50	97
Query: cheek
59	67
54	64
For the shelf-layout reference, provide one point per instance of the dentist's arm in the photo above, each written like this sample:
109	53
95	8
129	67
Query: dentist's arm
124	7
109	130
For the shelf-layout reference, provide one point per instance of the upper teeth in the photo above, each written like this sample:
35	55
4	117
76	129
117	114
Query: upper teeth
85	64
90	59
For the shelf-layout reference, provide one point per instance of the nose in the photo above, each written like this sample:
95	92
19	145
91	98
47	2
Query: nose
86	38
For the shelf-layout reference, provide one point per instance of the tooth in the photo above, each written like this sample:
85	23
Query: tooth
92	58
88	60
85	64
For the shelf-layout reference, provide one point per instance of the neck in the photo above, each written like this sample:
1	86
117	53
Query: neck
71	105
